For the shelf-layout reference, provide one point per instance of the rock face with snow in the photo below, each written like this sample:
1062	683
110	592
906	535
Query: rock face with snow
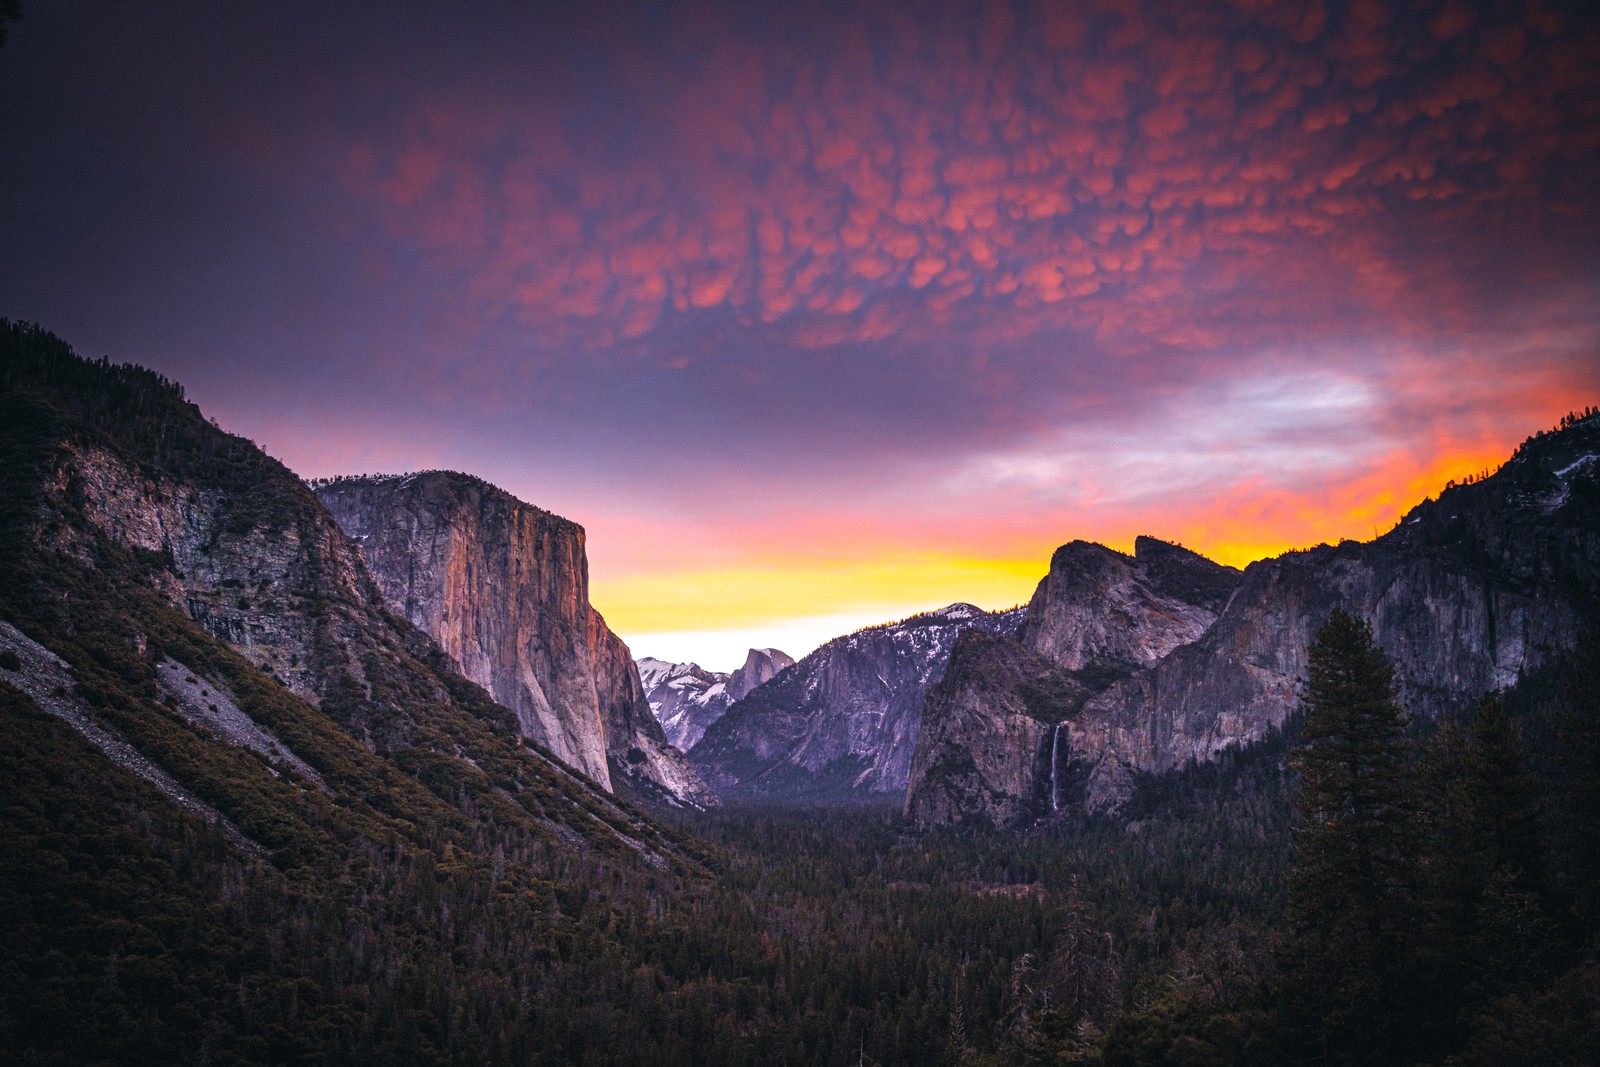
1096	618
1468	591
844	720
503	588
686	698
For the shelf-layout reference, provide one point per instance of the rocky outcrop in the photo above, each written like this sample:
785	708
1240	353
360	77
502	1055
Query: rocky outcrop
991	736
1467	592
686	698
260	566
1102	612
1096	618
503	587
845	719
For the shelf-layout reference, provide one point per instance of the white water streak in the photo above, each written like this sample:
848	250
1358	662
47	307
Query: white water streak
1055	748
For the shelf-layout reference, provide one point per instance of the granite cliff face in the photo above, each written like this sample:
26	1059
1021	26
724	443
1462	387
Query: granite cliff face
761	665
243	565
991	741
1469	590
843	720
1102	612
503	588
183	601
686	698
1096	618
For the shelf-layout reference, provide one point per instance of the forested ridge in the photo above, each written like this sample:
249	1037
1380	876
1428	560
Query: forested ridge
449	899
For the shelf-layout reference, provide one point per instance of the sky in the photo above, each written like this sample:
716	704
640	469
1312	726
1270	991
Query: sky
818	315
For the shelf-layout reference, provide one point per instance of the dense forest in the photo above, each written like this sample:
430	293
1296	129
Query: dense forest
1360	888
1197	928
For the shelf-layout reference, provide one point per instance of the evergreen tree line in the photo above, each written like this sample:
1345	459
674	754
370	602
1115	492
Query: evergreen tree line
1442	905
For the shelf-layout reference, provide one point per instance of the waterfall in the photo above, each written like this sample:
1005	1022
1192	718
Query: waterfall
1055	748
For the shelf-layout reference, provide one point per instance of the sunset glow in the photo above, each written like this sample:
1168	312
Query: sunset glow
835	312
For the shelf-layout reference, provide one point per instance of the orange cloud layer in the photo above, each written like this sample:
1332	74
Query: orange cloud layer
869	558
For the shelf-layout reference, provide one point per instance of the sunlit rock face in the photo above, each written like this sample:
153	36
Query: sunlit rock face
686	698
844	720
503	588
1185	659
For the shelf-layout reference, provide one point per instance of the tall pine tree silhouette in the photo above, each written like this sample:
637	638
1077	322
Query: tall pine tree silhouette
1350	893
1482	872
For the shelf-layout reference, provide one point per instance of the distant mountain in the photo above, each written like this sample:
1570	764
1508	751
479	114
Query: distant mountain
504	588
844	720
1466	593
686	698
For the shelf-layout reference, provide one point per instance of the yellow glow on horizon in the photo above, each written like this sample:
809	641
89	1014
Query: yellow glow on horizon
757	595
884	583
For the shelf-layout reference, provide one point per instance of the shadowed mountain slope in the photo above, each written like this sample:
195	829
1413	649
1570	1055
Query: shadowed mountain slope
1465	594
844	720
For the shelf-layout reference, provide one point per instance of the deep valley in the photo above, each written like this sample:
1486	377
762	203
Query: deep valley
352	772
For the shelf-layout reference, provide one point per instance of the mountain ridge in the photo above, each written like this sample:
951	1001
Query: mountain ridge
686	698
150	537
1465	593
843	720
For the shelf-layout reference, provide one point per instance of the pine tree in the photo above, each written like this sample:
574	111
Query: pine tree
1580	789
1350	892
1481	856
1507	798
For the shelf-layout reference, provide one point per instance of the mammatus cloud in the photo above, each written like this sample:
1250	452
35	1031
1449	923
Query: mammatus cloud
1254	172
